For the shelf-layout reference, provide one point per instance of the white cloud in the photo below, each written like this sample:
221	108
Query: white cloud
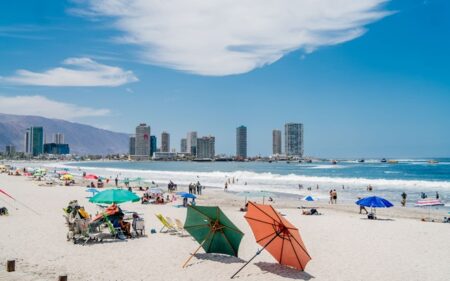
81	72
42	106
233	36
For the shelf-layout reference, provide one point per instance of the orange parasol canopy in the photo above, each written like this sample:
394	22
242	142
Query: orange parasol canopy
277	235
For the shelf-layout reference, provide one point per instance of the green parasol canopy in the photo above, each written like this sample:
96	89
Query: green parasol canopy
117	196
213	230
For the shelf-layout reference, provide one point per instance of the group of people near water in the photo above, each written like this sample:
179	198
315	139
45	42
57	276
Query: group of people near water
195	188
333	196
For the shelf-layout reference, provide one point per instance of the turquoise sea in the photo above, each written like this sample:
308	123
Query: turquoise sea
389	180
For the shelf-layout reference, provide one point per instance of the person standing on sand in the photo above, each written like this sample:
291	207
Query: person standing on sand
335	196
331	197
403	202
116	180
437	195
226	186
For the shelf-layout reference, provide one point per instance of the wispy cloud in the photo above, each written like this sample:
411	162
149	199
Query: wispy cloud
79	72
232	36
42	106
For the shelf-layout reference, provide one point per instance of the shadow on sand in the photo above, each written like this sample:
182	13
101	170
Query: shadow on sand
284	271
218	258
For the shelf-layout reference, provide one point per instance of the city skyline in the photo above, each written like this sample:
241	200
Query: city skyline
369	81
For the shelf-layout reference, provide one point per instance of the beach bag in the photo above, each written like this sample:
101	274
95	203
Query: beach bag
3	211
83	213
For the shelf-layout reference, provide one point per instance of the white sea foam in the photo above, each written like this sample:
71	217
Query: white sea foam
246	180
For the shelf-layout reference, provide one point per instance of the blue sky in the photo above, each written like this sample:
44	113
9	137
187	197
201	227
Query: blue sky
367	78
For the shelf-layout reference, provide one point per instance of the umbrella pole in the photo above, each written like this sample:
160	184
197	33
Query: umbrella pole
257	253
184	265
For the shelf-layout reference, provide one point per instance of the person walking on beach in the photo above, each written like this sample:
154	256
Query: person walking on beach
226	186
199	188
362	208
331	197
403	199
334	196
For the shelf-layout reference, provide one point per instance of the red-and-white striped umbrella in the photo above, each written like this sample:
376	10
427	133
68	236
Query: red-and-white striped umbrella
429	203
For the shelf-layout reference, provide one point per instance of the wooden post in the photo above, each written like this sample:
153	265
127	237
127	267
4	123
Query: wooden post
10	266
62	278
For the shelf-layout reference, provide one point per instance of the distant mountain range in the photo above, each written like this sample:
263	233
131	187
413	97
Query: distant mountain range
82	139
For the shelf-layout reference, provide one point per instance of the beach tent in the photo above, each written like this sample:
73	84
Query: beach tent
277	236
309	198
210	227
116	196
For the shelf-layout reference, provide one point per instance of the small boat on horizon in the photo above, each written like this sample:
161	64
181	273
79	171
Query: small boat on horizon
383	160
361	160
334	162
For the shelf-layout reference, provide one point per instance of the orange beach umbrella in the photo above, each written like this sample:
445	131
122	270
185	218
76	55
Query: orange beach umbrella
276	235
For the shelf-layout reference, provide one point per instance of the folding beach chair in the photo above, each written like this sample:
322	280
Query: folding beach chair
138	225
179	225
166	224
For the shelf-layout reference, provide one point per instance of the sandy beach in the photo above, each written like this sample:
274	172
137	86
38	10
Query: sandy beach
343	244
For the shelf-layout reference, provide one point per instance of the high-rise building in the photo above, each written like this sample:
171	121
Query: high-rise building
10	150
153	145
206	147
34	141
132	146
276	142
165	142
191	143
142	142
241	142
58	138
293	139
183	146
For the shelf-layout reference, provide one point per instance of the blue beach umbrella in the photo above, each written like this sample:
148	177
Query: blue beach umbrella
93	190
188	195
374	202
181	193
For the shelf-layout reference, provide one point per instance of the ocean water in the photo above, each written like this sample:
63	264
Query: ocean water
388	180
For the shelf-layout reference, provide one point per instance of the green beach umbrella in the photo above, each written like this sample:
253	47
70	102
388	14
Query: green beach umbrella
116	196
213	230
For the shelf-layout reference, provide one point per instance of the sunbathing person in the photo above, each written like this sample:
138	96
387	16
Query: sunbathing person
310	212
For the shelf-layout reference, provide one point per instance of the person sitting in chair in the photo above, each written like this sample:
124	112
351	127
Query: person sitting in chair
125	227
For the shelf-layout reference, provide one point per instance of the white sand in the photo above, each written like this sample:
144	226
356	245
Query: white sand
343	245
